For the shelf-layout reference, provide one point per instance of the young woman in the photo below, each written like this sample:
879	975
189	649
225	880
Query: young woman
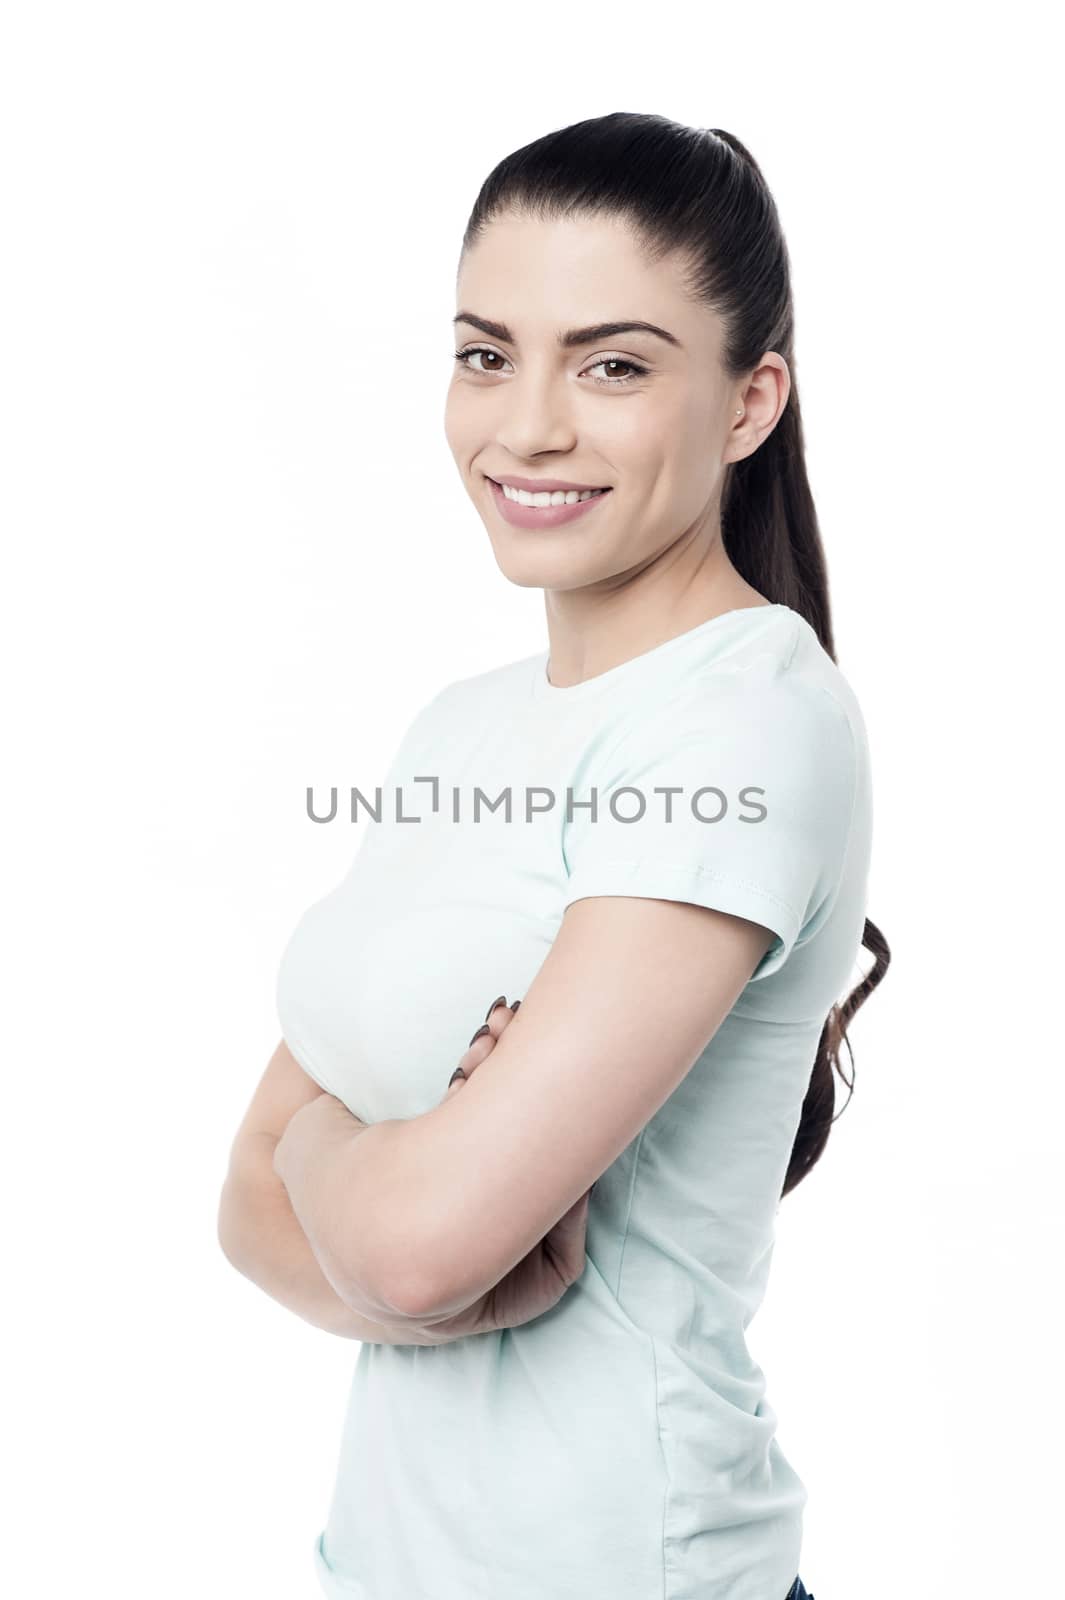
657	834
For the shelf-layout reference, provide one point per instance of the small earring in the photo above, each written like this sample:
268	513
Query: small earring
739	411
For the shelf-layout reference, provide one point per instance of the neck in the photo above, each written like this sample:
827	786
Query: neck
592	629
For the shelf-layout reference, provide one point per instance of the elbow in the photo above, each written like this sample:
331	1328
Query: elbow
410	1300
395	1299
430	1284
225	1231
387	1257
379	1235
381	1277
416	1271
432	1268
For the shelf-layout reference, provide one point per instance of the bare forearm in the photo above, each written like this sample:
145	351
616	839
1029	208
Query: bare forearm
265	1241
347	1182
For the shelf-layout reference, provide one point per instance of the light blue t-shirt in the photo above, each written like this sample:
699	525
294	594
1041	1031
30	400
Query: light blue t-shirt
621	1445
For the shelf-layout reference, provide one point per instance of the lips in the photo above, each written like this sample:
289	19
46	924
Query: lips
547	485
543	518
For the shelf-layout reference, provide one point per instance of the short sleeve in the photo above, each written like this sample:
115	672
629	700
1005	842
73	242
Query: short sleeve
762	780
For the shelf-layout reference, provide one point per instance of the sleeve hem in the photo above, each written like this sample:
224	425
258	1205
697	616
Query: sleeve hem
717	891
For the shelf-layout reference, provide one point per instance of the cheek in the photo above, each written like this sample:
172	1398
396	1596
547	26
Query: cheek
649	443
681	455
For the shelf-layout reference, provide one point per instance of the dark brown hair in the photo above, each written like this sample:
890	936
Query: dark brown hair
700	193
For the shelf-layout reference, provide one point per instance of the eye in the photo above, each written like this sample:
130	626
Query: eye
635	368
463	357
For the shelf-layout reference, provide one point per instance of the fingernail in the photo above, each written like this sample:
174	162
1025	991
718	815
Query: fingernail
515	1006
458	1073
483	1029
500	1002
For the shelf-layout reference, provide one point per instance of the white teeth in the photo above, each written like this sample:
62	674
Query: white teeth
559	497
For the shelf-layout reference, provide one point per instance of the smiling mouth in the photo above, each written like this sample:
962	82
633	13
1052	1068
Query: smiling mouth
547	497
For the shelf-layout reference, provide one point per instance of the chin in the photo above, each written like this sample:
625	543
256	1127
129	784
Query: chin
532	570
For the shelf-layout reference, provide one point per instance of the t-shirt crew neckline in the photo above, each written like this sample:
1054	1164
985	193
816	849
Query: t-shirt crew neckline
544	689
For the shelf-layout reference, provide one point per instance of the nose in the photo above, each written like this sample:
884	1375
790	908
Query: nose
534	417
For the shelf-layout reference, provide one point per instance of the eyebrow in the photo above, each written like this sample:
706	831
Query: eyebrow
574	336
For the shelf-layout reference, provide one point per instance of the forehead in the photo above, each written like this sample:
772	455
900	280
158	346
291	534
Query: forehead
539	276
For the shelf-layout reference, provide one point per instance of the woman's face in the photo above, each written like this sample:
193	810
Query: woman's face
651	418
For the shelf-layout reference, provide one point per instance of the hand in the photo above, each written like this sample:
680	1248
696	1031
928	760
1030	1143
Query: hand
541	1278
322	1117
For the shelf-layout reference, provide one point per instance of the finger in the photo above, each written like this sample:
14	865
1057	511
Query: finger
478	1051
499	1018
470	1060
480	1047
462	1074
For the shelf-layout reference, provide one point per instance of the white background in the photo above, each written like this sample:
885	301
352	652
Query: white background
238	556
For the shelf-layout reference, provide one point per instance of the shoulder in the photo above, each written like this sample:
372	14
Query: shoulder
775	694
